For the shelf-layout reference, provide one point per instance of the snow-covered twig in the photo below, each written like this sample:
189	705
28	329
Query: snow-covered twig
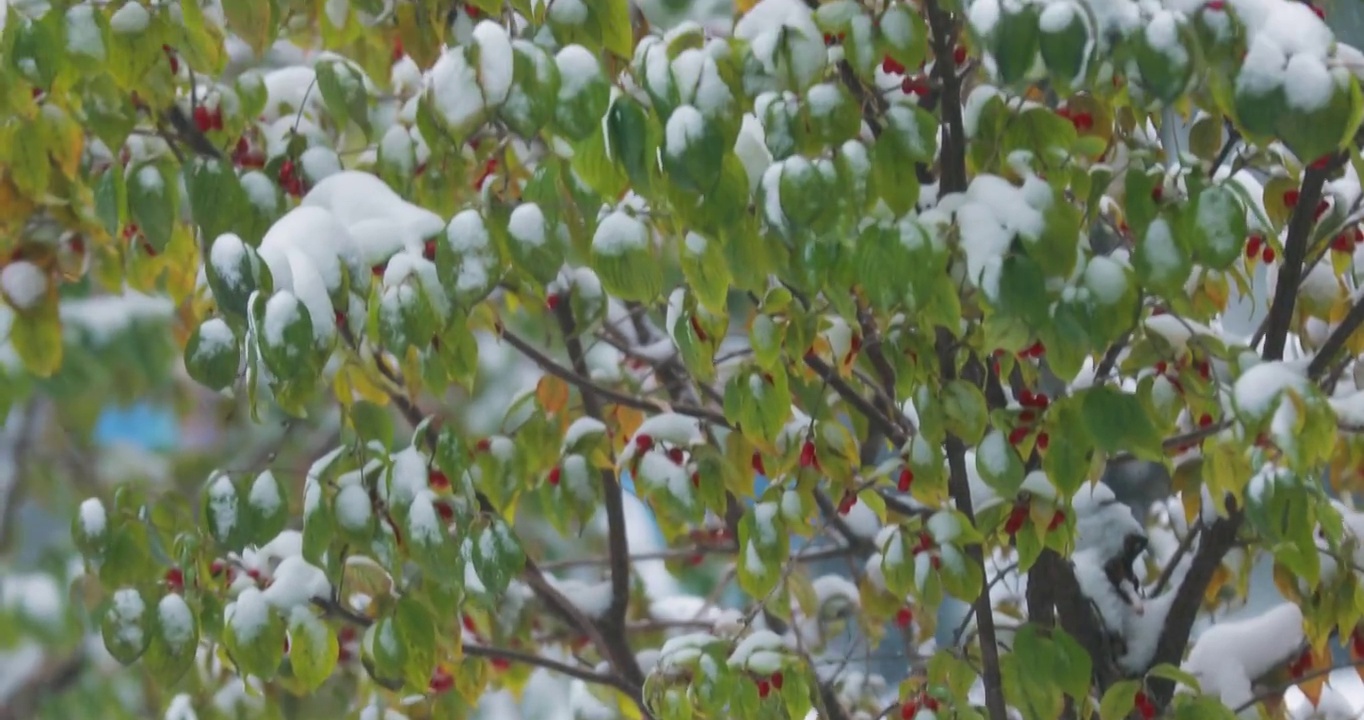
1306	677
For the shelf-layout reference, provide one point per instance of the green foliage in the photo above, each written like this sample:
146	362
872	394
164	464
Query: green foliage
927	268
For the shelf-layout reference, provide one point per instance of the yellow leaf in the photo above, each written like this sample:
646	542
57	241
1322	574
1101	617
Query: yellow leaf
552	394
1321	658
626	421
1220	576
37	338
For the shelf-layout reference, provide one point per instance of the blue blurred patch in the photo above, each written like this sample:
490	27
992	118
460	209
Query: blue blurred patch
142	425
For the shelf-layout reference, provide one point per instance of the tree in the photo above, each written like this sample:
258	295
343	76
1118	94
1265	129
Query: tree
476	293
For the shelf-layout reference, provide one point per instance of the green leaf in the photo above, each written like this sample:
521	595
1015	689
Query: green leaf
266	509
174	641
583	102
127	625
216	197
1065	47
617	32
999	464
152	203
1119	700
496	555
622	257
254	635
37	339
417	632
254	22
343	91
1118	422
312	648
430	543
1166	671
534	91
967	413
372	423
284	333
1162	259
213	355
1015	42
222	510
383	653
1219	228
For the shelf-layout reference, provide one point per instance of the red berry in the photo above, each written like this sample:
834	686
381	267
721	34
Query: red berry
1158	193
1058	519
552	302
469	625
1342	243
429	250
1322	206
1290	198
1016	518
1043	440
1357	644
1204	420
903	617
441	681
398	52
1027	416
437	480
483	445
935	562
917	85
1268	254
1161	367
906	479
676	455
757	463
959	54
554	473
1253	245
378	270
909	710
202	122
1145	706
845	505
1017	435
216	118
695	559
1319	11
501	664
777	680
1083	122
216	568
1216	5
446	511
644	443
696	480
175	579
807	455
890	66
1026	398
764	688
286	170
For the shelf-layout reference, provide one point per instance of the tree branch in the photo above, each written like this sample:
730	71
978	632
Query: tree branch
335	609
618	545
874	416
585	385
1336	340
1300	224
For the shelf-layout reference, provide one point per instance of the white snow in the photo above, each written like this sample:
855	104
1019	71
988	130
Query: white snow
176	621
181	706
353	507
1259	387
23	284
494	61
93	518
130	19
993	214
1227	657
264	495
248	615
685	126
577	68
765	26
618	234
423	523
83	36
222	504
295	583
760	652
527	225
282	311
1307	83
126	615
